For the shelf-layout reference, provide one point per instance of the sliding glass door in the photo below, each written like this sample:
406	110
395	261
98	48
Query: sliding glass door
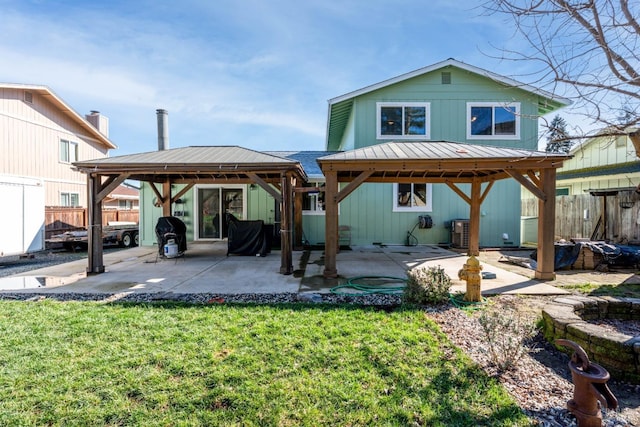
213	205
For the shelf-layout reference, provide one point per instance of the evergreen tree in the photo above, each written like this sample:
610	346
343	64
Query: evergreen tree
557	137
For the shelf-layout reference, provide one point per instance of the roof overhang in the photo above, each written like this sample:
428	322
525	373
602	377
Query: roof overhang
437	161
62	106
205	164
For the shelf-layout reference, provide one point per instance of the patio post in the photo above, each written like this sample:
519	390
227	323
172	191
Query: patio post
94	234
474	218
545	269
286	261
331	223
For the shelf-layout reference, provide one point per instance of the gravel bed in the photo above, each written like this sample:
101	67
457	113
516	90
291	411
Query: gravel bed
541	391
17	265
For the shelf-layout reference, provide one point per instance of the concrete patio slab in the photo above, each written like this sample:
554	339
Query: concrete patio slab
206	268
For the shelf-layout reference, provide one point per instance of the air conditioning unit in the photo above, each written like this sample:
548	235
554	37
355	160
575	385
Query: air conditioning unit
460	233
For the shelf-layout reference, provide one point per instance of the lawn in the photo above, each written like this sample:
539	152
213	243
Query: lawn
617	290
166	364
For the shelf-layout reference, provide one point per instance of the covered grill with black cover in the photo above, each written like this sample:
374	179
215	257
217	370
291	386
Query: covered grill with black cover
247	237
170	227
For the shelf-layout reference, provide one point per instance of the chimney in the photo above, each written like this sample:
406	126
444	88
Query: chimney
99	122
163	129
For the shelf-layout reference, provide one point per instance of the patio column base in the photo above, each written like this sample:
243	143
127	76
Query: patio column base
330	273
545	275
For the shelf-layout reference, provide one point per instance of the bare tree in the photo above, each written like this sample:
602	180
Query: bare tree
587	49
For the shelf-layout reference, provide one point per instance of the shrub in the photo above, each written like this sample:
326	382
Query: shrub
427	285
506	336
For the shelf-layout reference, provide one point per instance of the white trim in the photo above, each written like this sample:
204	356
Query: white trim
427	208
427	124
451	63
196	212
69	194
75	151
63	107
494	104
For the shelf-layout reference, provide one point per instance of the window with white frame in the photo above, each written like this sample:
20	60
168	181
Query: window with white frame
493	120
403	120
412	197
68	151
313	199
69	199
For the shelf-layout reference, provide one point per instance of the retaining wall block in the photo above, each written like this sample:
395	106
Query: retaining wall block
585	331
623	355
575	303
619	308
612	340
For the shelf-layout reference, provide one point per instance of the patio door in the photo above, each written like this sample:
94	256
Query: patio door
213	203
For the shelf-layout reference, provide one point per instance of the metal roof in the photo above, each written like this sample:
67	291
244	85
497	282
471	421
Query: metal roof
194	163
436	150
436	161
62	106
194	155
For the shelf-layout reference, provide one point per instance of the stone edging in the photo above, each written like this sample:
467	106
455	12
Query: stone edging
566	317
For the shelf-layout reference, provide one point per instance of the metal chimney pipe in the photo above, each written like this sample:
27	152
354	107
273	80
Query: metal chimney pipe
163	129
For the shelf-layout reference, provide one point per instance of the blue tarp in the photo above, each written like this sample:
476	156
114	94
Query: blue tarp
566	254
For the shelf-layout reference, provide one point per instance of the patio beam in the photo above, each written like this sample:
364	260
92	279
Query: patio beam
342	194
277	195
110	184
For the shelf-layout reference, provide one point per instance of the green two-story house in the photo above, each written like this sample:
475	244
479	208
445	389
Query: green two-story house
448	101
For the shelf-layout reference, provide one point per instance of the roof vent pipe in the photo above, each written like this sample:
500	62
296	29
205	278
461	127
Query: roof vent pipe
163	129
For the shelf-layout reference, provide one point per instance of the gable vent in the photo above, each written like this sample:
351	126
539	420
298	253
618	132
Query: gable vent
28	97
446	78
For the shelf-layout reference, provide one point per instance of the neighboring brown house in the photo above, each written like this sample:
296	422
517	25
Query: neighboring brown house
125	197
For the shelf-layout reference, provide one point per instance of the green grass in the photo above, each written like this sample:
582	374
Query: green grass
620	290
71	363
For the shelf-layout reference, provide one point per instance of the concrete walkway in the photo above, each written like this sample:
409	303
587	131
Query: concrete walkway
205	268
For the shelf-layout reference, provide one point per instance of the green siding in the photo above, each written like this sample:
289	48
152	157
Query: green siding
448	107
149	214
369	213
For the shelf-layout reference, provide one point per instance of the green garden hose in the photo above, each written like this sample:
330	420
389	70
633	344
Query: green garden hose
356	284
458	301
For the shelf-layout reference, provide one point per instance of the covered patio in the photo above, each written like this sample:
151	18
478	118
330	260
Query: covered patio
447	163
189	166
440	162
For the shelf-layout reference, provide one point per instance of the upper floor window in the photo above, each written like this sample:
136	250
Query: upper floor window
412	197
493	120
68	151
69	199
403	120
313	199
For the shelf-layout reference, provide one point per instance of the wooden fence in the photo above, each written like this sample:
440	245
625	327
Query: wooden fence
581	216
59	219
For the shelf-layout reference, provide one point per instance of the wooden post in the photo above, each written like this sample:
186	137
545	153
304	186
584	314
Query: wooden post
286	262
474	219
94	234
331	224
297	219
166	193
546	226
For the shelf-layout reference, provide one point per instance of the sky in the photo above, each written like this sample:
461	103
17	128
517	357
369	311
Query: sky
253	73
